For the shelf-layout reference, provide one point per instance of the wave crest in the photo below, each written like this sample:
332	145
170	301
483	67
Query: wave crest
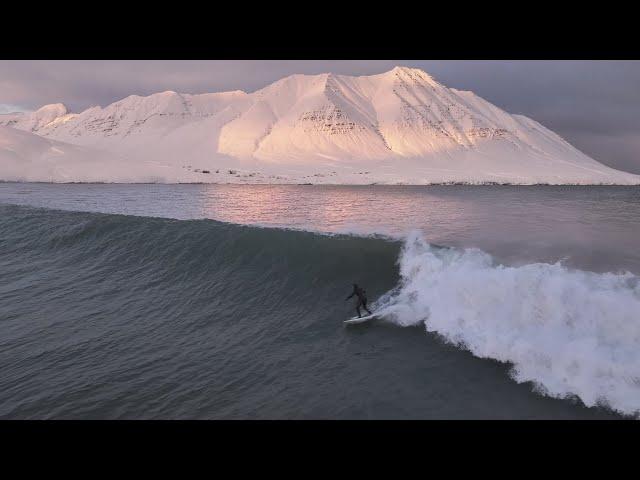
571	332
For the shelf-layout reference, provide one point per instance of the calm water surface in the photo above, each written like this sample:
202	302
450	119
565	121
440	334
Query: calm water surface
593	227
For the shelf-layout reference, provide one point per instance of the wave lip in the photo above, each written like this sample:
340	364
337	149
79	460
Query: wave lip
570	332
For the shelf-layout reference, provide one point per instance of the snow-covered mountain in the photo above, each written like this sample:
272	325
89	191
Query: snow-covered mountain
401	126
26	157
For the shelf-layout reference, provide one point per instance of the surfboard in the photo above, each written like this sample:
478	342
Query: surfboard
354	320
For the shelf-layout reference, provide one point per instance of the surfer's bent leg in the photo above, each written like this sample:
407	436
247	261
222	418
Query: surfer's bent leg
364	304
358	308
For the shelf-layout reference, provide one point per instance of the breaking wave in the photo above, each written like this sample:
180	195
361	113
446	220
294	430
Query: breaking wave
571	332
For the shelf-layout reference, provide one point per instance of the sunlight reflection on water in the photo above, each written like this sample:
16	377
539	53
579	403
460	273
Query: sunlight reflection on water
593	227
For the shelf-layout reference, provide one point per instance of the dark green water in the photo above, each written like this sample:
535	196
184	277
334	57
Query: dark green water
122	316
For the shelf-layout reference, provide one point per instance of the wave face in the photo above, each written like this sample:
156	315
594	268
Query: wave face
114	316
570	332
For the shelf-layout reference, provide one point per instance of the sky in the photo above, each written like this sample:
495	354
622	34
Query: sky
595	105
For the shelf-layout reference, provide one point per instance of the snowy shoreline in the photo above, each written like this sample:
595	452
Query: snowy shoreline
444	184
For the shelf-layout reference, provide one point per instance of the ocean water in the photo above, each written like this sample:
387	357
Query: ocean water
227	302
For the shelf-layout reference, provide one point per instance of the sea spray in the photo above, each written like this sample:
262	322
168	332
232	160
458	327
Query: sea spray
570	332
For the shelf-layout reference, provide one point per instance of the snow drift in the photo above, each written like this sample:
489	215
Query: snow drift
401	126
26	157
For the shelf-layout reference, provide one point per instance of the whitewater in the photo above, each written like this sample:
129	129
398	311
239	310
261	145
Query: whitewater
572	333
222	320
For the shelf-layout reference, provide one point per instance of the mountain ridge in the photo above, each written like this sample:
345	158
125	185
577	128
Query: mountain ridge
400	126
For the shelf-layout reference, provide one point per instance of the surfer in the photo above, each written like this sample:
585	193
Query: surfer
362	299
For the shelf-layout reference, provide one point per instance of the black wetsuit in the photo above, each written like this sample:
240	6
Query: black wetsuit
362	299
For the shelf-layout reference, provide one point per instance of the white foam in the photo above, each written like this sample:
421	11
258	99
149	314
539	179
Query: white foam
570	332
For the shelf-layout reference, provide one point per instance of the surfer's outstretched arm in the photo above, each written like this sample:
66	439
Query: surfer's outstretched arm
352	294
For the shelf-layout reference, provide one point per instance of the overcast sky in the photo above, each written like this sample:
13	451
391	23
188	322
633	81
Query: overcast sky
595	105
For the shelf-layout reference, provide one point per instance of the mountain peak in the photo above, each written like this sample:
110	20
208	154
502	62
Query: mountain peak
398	126
401	69
56	109
410	72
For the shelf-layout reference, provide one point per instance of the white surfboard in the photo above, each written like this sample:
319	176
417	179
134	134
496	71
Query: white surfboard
353	320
